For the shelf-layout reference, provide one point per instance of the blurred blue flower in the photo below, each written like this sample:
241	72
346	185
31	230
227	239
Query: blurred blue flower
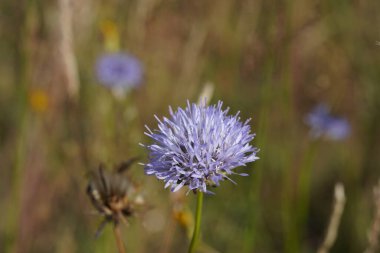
119	70
198	147
322	123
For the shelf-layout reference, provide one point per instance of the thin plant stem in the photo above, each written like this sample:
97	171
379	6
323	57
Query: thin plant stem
197	227
305	176
21	54
119	242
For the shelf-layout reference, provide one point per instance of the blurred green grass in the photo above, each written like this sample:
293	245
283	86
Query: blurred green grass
272	60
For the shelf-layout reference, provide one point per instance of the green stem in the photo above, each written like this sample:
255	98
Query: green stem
197	227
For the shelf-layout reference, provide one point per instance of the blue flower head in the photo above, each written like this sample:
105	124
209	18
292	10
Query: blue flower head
199	146
119	70
322	123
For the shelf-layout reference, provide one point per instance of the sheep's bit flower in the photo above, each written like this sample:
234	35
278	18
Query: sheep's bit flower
198	147
119	70
323	124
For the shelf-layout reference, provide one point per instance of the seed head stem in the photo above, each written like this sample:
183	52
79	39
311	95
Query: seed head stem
119	242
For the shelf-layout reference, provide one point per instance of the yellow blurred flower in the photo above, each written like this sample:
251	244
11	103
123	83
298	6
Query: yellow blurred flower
38	100
111	35
185	219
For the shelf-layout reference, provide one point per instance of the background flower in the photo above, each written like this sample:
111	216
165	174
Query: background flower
199	146
119	70
322	123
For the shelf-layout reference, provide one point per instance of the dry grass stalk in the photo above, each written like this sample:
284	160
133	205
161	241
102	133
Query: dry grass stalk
66	48
332	230
374	233
206	93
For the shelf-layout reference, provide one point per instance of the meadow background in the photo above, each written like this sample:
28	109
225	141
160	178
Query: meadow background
272	60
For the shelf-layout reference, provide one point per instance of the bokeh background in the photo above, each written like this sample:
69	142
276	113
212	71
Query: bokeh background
272	60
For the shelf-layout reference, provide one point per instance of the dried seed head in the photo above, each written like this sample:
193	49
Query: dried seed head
112	194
